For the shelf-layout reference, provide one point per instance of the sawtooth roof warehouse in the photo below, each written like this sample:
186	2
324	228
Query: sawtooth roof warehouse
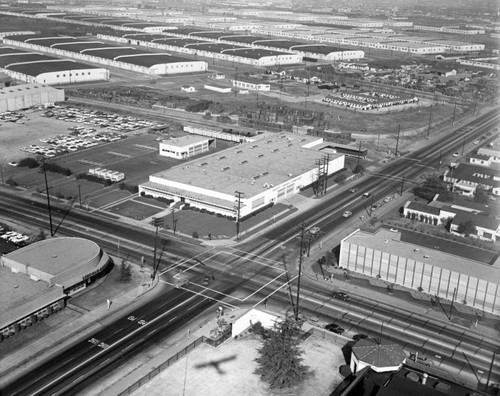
265	171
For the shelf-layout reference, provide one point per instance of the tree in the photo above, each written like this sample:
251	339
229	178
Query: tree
430	188
359	169
467	228
280	362
481	196
125	271
340	178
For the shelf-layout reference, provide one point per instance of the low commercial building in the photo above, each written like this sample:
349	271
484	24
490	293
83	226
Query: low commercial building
48	272
466	178
252	84
218	88
185	146
24	96
425	263
36	68
262	173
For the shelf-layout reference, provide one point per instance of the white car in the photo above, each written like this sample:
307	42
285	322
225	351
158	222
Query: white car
13	163
347	214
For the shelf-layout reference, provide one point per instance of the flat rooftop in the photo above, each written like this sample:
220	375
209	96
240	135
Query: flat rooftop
56	255
17	288
246	167
186	140
444	253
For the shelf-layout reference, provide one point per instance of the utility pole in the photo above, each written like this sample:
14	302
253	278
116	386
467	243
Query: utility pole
463	146
174	222
439	163
359	153
429	126
454	112
47	193
1	172
238	195
453	300
300	272
402	184
80	195
397	141
156	223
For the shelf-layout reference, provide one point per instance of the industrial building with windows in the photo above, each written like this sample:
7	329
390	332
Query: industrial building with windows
127	58
428	264
23	96
263	172
35	68
38	279
210	49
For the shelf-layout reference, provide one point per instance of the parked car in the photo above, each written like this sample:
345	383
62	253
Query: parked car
376	205
359	336
13	163
347	214
341	296
387	199
455	154
334	328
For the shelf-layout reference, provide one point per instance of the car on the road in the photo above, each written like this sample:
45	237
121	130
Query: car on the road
334	328
353	190
366	195
341	296
314	230
347	214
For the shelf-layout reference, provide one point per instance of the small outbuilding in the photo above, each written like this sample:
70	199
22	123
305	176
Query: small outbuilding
185	146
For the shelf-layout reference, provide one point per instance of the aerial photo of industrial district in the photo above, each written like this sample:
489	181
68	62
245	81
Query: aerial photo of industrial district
276	198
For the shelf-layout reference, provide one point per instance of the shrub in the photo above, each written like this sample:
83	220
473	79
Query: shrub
11	182
51	167
195	235
28	162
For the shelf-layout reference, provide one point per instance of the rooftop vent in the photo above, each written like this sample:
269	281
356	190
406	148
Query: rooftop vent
254	146
243	162
225	168
221	157
259	156
203	164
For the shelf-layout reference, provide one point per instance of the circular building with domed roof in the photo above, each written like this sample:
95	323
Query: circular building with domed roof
42	275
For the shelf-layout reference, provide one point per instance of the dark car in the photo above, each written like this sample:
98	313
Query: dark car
341	296
359	336
335	328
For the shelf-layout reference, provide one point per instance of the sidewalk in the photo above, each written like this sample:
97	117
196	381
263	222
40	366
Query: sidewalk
59	339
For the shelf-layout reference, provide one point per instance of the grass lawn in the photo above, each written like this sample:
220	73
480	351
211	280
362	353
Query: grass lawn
134	210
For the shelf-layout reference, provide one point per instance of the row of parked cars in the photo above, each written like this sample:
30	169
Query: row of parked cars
14	237
114	122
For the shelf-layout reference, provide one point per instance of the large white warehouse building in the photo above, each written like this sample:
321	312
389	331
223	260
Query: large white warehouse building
264	172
